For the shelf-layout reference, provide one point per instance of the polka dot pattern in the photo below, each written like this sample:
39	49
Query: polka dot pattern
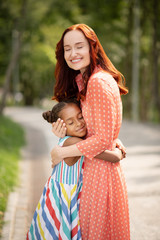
104	202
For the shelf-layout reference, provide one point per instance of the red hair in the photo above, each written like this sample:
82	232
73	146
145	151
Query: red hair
66	86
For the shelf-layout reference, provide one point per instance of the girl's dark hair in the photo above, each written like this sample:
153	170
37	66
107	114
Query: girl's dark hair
53	115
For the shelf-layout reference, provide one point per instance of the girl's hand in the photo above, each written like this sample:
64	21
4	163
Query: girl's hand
56	156
59	128
121	147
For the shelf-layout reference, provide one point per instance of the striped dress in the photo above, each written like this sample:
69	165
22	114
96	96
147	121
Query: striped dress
57	213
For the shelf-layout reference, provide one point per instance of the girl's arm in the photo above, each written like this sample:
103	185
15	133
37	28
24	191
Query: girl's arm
110	156
70	160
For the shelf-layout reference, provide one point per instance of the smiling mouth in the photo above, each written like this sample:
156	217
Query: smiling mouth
76	60
81	129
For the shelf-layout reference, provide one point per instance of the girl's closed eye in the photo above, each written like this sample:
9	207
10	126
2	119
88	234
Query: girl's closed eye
70	123
80	116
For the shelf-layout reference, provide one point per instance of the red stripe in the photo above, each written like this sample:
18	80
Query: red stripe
60	238
78	170
83	165
27	238
74	231
79	195
51	210
48	181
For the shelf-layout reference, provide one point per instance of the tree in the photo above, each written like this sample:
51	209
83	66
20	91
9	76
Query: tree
135	62
15	54
155	20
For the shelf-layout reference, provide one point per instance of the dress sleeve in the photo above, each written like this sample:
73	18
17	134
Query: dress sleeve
101	102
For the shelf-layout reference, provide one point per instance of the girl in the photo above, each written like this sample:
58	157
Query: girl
57	213
83	70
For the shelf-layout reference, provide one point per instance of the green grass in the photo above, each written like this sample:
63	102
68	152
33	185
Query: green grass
11	140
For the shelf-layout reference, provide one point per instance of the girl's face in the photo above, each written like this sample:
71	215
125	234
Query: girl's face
75	124
76	50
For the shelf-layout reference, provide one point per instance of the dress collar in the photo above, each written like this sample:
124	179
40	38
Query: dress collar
79	79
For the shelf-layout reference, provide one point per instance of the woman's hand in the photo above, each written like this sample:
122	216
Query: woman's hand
119	153
56	155
121	147
59	128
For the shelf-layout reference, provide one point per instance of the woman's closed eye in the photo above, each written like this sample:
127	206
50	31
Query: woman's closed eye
79	47
67	49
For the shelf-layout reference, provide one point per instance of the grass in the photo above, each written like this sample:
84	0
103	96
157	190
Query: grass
11	140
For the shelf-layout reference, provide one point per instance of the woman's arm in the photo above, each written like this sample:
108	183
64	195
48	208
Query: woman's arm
111	156
57	153
104	103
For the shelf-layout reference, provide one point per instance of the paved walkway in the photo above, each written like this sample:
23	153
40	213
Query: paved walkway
141	167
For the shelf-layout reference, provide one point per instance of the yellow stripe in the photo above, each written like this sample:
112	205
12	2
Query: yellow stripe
39	205
65	195
41	230
73	190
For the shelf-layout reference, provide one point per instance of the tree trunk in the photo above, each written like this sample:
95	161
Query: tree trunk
156	96
10	68
135	62
14	57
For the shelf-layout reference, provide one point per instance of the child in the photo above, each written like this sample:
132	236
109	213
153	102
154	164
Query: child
57	213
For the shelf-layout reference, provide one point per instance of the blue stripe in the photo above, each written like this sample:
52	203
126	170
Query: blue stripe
48	224
79	235
65	210
36	227
56	197
74	200
44	190
64	171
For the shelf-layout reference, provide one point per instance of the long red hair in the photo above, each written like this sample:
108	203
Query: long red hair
66	86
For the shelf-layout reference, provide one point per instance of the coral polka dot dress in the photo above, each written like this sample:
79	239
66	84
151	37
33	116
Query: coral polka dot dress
104	211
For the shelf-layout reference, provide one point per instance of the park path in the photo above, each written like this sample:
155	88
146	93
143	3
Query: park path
141	168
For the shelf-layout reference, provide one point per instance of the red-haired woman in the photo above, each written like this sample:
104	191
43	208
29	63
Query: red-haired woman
84	71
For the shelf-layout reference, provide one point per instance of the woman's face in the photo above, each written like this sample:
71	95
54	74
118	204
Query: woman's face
76	50
75	124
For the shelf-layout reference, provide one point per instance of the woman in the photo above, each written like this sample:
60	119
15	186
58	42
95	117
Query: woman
83	70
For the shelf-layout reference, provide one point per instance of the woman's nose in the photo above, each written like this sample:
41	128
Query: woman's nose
73	52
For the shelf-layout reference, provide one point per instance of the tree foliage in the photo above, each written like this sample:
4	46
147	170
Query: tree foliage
112	22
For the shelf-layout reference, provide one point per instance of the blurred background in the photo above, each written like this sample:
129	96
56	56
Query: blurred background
129	31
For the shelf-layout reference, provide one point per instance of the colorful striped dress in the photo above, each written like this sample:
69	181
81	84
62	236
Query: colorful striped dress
57	213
